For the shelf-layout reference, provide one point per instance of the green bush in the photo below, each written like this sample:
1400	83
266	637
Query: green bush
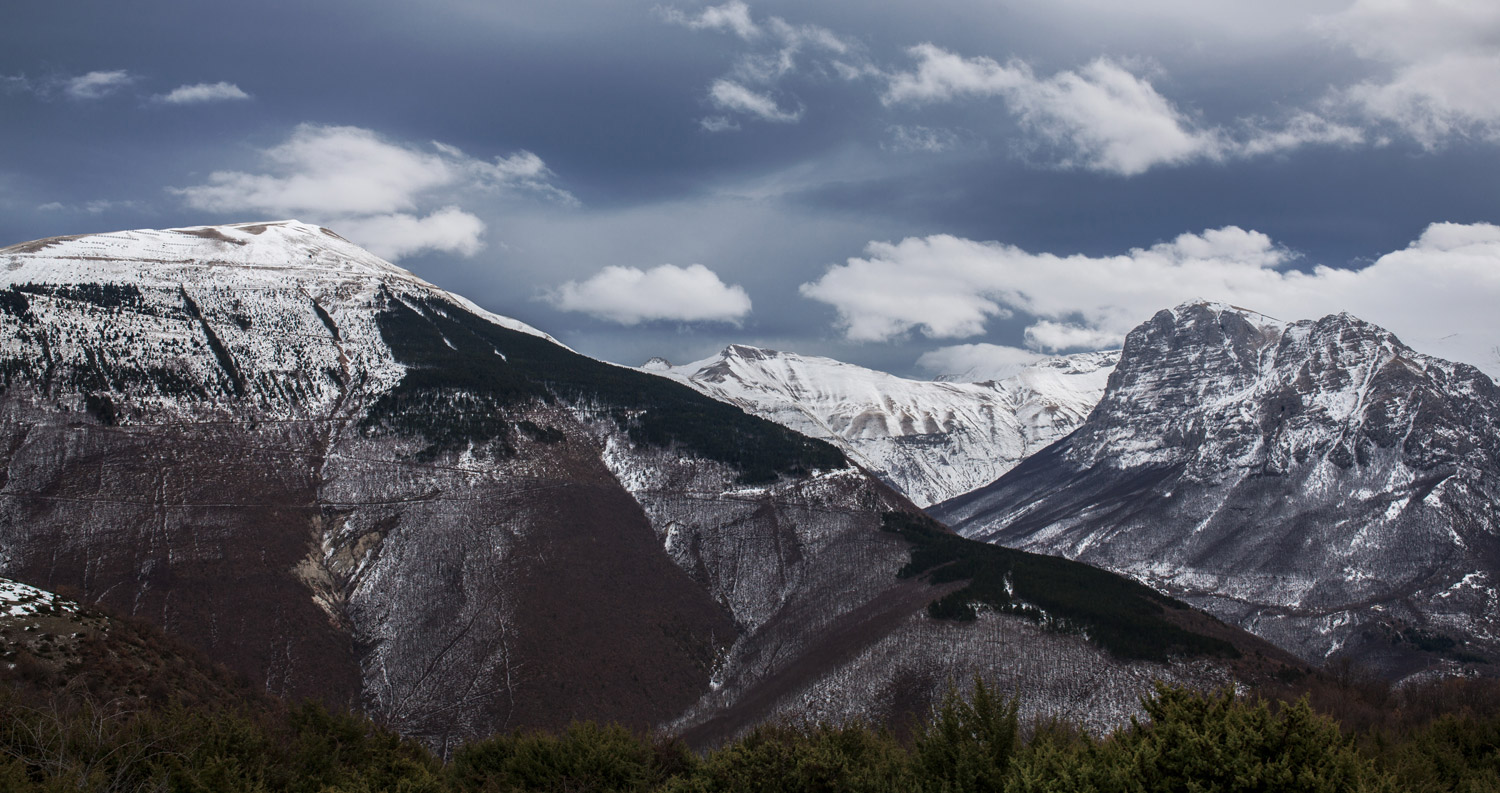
1453	753
967	744
831	759
585	757
1193	742
1214	743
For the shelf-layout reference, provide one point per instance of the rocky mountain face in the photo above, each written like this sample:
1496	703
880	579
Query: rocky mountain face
930	440
1316	482
344	482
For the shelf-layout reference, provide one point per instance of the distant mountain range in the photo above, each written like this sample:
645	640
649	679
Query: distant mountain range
930	440
1316	482
347	483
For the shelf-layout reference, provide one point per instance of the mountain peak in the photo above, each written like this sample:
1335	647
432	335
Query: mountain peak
259	255
1317	481
895	426
265	251
749	353
1211	310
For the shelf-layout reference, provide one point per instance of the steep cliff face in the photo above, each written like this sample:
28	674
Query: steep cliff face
1316	482
346	483
930	440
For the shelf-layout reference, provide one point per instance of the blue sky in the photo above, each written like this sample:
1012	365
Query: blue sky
920	189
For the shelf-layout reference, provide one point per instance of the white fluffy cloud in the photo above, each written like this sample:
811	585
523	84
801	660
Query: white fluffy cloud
1438	294
396	235
199	93
1304	128
97	85
942	75
734	16
630	296
1102	117
1442	59
977	362
374	189
775	50
730	95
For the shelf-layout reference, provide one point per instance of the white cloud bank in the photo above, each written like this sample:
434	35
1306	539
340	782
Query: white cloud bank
372	190
1101	117
1438	294
1436	62
1432	70
978	362
1443	65
630	296
200	93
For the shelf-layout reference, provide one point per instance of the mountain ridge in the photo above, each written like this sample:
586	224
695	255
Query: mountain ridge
1316	482
353	486
931	440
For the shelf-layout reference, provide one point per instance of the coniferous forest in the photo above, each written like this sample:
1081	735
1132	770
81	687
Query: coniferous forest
193	730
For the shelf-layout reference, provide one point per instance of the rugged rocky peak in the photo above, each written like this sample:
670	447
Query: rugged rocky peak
1316	481
1221	389
930	440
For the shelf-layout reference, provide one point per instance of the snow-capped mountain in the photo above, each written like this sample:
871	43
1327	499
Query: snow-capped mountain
1317	482
347	483
930	440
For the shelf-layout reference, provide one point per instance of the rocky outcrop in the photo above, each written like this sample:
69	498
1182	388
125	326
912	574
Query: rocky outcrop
1316	482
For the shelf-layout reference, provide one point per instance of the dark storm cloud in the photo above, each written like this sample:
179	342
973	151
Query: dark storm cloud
768	142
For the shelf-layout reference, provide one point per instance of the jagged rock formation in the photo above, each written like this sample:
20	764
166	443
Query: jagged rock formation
345	482
1316	482
930	440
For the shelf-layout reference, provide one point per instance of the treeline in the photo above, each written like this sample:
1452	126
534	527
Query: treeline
465	374
1441	737
1123	616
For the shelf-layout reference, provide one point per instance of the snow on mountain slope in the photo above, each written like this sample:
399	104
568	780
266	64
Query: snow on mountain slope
292	302
346	483
243	256
930	440
1316	482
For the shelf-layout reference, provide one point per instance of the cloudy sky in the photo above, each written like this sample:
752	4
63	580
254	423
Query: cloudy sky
921	188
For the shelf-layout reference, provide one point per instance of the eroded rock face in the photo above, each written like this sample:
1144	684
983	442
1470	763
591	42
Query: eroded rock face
346	483
1316	482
